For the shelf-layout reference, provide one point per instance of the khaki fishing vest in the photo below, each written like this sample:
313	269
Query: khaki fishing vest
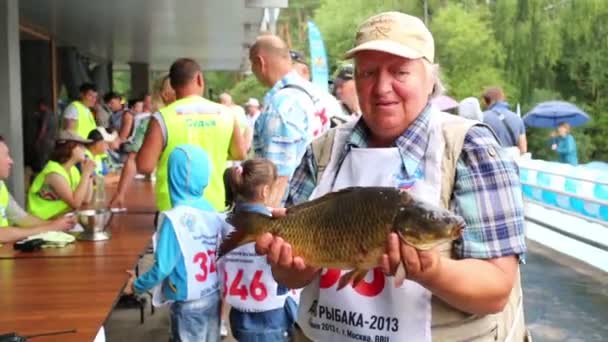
449	324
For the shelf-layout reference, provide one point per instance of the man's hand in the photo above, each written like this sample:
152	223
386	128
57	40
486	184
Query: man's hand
117	201
62	223
286	269
554	147
420	266
129	286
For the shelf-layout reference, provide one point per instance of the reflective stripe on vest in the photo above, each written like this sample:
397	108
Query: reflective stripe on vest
86	121
49	208
197	121
3	204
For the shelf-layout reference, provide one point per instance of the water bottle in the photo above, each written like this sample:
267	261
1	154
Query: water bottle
100	192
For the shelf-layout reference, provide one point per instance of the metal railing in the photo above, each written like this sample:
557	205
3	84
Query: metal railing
600	182
568	234
569	194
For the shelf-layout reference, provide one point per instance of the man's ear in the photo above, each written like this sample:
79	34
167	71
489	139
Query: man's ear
200	81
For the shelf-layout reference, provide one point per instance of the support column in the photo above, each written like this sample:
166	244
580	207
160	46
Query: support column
10	94
140	79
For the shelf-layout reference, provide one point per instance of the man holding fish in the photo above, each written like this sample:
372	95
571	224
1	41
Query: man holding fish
456	288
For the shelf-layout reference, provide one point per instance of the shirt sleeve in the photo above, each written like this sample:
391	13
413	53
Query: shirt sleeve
163	127
14	212
166	257
304	179
282	133
70	112
487	194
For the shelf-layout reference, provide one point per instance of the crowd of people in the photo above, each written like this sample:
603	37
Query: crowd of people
301	144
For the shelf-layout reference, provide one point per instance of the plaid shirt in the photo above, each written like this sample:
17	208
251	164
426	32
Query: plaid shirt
487	192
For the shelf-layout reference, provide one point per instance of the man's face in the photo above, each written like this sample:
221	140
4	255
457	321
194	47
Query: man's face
392	91
115	105
302	69
147	105
346	90
5	162
251	110
256	67
138	107
89	98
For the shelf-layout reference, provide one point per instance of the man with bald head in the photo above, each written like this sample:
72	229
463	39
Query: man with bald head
293	110
191	119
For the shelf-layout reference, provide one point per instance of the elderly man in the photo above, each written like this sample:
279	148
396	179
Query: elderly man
468	290
293	111
194	120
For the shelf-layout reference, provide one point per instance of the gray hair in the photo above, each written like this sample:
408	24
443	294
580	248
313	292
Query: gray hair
433	70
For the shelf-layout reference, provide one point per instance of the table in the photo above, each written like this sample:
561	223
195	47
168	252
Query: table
130	235
140	198
77	286
52	294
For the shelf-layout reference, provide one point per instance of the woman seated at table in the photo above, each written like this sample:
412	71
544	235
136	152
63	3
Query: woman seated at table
15	223
60	187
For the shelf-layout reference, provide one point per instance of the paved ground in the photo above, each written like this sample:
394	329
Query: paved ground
564	301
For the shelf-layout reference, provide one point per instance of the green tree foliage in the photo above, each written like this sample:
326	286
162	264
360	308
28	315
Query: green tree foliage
470	57
537	50
249	87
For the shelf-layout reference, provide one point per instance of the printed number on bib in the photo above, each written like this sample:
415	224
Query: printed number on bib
256	289
365	288
206	262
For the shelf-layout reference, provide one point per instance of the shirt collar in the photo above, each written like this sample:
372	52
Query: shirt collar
412	143
289	78
499	105
253	207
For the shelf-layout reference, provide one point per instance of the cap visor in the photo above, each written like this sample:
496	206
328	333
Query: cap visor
387	46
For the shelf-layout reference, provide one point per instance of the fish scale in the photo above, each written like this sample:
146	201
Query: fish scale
348	229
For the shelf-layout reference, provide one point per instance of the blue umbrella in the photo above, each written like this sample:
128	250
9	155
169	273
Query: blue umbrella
552	113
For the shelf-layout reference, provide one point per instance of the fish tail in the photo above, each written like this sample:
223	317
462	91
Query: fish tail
248	226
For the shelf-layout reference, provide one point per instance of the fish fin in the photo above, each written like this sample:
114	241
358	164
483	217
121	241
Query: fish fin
248	226
355	276
332	195
400	275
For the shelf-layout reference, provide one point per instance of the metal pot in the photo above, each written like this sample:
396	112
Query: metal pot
95	223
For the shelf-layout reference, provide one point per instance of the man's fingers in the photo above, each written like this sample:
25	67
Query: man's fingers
411	259
275	251
394	256
285	258
279	212
262	243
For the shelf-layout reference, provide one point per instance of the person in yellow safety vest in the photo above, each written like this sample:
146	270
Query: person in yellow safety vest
77	116
15	223
60	187
97	148
191	120
163	96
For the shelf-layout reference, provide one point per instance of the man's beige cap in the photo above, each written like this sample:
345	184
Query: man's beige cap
395	33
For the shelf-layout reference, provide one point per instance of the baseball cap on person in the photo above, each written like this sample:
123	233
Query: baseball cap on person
252	102
345	72
395	33
100	133
297	56
66	136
